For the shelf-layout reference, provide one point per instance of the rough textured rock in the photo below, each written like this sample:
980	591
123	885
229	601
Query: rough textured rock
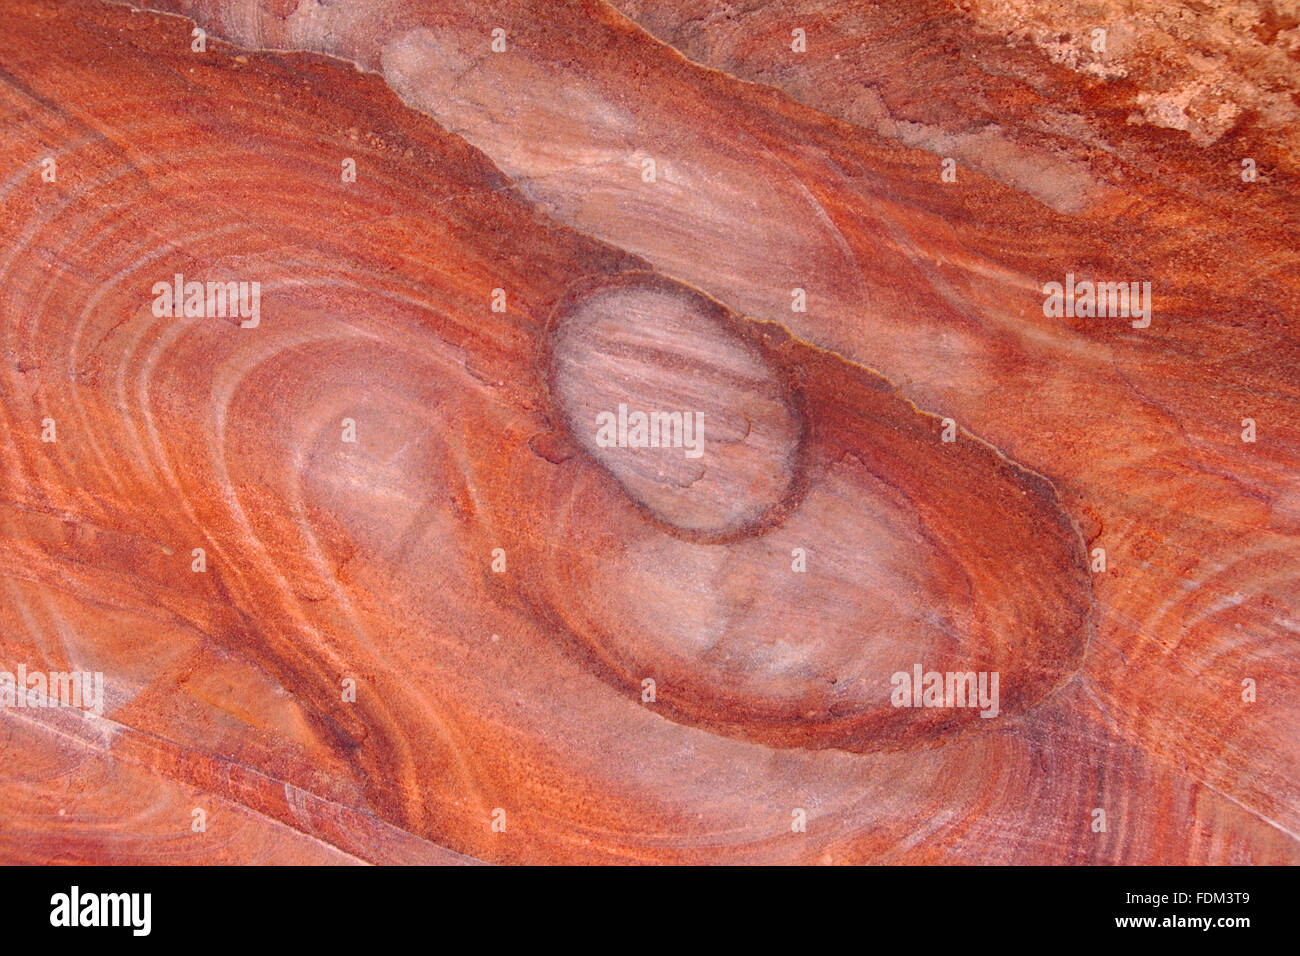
635	203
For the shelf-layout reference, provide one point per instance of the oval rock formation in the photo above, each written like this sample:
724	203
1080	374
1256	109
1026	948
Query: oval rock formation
659	385
828	539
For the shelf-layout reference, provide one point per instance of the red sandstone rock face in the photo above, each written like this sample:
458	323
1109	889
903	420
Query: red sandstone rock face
630	653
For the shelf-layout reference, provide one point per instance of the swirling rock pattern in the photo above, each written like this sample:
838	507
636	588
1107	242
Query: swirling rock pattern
365	584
